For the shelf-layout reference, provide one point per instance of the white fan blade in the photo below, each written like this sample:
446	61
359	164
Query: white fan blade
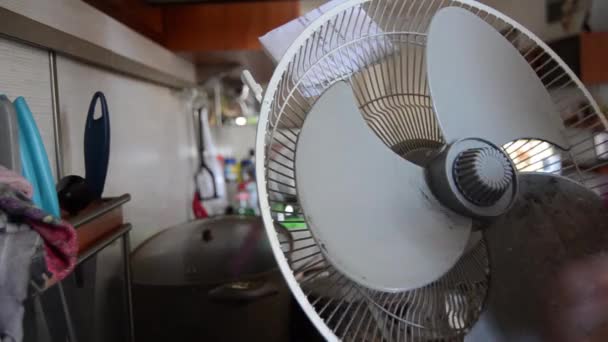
370	210
483	87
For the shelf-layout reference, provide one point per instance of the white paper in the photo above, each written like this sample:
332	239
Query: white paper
336	66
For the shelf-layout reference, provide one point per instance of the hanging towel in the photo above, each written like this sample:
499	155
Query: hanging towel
59	237
21	227
17	246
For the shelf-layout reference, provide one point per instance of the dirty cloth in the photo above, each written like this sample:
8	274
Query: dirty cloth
15	181
22	228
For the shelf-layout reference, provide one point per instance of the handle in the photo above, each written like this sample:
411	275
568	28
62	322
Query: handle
98	96
97	145
243	291
206	168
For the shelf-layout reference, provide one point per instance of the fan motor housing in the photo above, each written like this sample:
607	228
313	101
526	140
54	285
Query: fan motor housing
474	178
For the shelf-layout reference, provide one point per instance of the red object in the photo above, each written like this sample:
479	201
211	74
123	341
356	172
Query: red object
60	246
197	207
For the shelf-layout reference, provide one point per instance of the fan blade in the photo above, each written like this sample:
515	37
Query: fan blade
483	87
369	209
555	224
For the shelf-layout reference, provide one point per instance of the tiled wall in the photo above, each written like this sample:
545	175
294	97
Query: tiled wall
234	141
24	71
153	151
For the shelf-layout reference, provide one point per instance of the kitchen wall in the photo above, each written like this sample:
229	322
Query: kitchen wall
153	157
234	141
153	151
24	71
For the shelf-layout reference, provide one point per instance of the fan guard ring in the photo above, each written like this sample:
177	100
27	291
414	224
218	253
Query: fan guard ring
350	311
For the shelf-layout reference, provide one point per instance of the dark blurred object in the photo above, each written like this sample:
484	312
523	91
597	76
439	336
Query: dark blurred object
554	10
74	194
585	54
210	280
582	290
568	49
554	223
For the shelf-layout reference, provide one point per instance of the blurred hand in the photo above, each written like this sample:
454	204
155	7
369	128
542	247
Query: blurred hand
578	302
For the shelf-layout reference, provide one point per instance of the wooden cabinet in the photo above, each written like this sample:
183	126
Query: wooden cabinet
594	57
202	27
233	26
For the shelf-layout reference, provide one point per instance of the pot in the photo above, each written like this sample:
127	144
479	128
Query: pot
209	280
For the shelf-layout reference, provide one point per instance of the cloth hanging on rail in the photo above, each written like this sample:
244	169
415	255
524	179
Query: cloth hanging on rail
59	236
22	227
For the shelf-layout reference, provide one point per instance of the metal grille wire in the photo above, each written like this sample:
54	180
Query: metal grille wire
379	47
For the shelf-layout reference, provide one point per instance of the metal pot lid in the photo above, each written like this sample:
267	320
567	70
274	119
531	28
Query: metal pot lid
207	251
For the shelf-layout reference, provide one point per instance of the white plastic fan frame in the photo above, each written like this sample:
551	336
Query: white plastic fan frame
261	152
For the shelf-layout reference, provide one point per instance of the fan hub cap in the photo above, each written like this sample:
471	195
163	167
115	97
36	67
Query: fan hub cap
474	178
483	175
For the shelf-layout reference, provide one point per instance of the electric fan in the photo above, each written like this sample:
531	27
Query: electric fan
435	163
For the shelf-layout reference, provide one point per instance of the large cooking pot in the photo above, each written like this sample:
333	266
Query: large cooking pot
209	280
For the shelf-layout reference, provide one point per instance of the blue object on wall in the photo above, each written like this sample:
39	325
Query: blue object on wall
97	145
35	162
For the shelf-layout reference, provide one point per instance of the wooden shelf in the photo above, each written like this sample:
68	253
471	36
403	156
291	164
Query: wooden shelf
99	220
97	226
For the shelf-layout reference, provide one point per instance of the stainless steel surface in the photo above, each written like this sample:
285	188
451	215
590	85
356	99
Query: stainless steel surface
212	279
209	251
126	259
18	27
67	316
123	234
56	116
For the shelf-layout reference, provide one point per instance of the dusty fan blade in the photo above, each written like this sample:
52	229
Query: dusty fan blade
556	227
483	87
369	209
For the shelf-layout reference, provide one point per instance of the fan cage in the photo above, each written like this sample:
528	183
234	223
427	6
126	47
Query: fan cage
378	46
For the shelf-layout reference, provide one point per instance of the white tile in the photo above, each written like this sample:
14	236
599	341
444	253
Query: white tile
24	71
151	151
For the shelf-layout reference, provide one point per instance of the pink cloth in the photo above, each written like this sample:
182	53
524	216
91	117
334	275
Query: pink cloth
60	245
60	240
16	181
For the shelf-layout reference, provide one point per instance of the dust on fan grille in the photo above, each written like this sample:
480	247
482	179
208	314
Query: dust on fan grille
385	64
